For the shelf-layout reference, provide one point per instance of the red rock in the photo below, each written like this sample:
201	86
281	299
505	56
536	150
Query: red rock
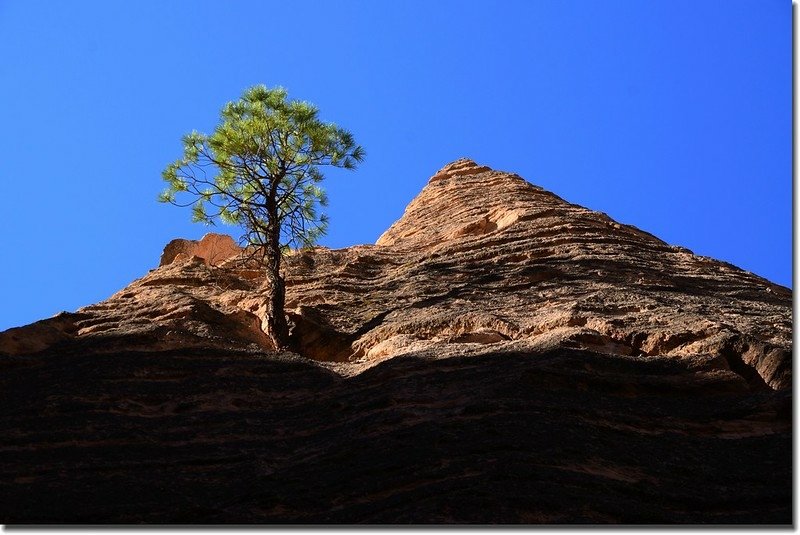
500	355
212	249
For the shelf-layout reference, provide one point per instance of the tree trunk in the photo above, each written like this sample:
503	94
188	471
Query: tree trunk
277	327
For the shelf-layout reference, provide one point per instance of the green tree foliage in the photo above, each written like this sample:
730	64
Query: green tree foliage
260	169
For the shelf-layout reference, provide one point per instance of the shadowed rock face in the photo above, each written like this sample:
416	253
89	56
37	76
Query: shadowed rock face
499	356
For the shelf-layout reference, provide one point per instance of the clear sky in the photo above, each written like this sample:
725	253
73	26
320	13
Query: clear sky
671	115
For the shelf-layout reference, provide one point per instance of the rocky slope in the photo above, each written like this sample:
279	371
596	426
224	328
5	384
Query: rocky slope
499	355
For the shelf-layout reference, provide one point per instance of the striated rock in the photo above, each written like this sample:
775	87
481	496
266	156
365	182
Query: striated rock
500	355
212	249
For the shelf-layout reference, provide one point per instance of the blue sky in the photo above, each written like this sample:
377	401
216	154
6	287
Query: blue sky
671	115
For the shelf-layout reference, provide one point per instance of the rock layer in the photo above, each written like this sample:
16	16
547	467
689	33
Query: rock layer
500	355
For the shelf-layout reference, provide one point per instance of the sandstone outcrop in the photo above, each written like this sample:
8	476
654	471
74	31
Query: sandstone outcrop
499	355
212	249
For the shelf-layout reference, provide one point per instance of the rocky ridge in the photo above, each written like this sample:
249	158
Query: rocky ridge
486	288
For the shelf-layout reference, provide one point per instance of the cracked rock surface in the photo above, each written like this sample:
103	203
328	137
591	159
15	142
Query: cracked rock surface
498	356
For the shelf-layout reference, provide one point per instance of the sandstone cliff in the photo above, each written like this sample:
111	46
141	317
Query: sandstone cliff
499	355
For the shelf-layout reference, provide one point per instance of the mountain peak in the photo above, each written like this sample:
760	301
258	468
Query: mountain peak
460	167
467	200
463	198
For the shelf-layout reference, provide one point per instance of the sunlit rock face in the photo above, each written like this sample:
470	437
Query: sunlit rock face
212	249
499	355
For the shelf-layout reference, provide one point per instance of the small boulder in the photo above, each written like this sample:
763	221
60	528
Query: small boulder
212	249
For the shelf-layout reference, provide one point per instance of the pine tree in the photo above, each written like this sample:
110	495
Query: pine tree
260	169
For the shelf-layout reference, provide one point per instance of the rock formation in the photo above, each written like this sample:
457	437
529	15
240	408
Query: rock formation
213	249
498	356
